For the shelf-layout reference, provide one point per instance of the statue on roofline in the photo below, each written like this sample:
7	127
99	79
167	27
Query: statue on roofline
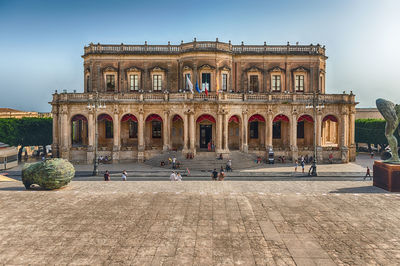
391	113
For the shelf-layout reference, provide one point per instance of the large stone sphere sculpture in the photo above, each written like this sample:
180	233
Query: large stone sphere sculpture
49	174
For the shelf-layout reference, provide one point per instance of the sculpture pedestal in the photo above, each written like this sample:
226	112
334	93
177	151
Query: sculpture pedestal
387	176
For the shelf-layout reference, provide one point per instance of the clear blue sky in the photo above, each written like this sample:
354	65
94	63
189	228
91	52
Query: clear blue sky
41	41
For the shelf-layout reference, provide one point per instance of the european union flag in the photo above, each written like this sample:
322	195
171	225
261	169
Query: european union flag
197	87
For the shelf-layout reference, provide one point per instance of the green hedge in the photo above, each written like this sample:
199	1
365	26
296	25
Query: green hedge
371	131
28	131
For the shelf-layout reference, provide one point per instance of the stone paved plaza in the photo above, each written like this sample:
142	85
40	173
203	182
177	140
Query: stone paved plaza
200	223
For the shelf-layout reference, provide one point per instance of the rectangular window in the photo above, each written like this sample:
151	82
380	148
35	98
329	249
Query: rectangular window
187	76
254	130
276	130
109	129
110	82
156	129
276	83
224	82
157	82
206	81
133	128
134	82
299	83
87	83
254	83
300	130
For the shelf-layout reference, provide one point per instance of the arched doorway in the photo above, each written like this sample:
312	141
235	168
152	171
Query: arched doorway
234	133
129	132
256	132
105	131
206	131
330	131
176	134
305	132
79	131
153	132
280	132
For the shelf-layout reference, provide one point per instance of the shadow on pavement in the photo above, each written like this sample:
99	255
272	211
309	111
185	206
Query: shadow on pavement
13	188
366	189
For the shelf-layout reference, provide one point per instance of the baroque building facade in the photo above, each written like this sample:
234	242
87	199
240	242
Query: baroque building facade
257	98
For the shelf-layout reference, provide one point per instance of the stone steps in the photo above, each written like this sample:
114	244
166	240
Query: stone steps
205	160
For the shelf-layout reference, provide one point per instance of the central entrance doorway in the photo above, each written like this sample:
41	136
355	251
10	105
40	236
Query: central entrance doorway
205	135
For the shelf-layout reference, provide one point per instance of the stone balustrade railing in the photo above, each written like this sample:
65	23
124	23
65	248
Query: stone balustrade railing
221	97
203	46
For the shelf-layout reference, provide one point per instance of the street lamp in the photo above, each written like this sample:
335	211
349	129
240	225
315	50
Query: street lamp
315	106
95	105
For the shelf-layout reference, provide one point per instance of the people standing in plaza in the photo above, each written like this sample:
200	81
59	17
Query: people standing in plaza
106	176
212	146
296	163
372	155
178	177
214	175
124	175
174	163
368	174
302	165
209	146
172	177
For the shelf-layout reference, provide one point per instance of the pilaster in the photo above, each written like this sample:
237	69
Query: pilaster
141	135
166	144
245	147
116	134
268	131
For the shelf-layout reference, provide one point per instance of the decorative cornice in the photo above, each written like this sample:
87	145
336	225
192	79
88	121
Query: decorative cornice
276	69
109	69
133	69
206	67
225	67
158	68
187	68
300	69
253	69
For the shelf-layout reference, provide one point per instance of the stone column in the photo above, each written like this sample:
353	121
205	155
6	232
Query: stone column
192	133
226	128
268	131
293	136
56	132
91	136
352	128
166	131
185	133
65	133
116	135
141	145
245	147
318	122
218	145
344	137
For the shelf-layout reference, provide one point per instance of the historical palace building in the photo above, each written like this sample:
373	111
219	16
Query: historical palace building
258	97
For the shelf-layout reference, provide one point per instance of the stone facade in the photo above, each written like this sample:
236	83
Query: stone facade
257	99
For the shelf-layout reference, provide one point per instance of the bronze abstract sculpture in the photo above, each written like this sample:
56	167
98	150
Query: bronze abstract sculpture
391	113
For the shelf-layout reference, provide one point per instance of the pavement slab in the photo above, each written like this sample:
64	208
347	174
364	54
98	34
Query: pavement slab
200	223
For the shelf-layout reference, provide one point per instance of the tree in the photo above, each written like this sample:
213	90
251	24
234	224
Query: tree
371	131
28	131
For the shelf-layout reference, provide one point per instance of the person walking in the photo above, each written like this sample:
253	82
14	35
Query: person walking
302	166
107	176
124	175
368	174
296	163
214	175
172	177
330	158
178	177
